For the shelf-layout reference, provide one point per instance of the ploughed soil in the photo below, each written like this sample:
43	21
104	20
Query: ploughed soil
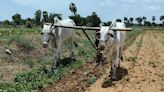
141	71
144	61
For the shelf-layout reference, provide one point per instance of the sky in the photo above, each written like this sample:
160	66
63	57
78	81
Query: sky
105	9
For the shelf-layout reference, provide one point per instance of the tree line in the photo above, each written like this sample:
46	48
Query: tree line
92	20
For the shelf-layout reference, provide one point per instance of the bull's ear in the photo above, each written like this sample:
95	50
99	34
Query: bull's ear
111	35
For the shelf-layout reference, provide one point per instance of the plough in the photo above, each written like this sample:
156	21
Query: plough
99	56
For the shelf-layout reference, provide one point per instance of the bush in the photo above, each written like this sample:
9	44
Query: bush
21	41
28	24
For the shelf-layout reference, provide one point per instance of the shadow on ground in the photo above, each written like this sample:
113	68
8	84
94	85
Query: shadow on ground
66	61
121	72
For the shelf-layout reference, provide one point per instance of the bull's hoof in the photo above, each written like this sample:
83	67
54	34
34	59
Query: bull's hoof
56	66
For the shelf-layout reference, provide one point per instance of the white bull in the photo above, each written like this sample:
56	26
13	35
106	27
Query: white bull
114	40
57	35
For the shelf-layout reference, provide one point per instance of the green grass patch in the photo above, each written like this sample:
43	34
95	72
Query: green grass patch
91	79
131	59
126	78
139	44
31	62
18	30
21	41
36	79
131	36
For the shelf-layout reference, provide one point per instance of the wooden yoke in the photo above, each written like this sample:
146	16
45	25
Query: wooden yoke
92	28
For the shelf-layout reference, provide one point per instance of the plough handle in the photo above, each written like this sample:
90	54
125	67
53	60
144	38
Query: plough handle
89	39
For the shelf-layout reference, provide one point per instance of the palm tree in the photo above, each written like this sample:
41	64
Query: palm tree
144	19
153	18
139	20
73	8
131	20
118	20
125	19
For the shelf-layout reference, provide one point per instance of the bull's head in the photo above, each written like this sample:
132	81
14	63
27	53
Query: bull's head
46	32
105	35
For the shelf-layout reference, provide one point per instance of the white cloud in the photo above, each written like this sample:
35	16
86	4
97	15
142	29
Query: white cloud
153	7
57	6
143	4
109	3
131	2
143	1
41	4
30	2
